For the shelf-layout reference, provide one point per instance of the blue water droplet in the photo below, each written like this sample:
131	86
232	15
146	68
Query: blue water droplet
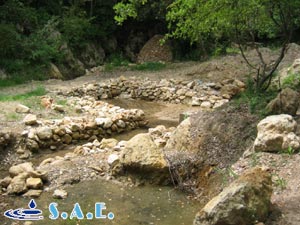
32	204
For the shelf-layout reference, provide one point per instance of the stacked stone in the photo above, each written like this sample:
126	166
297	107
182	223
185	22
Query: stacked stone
102	120
195	92
23	178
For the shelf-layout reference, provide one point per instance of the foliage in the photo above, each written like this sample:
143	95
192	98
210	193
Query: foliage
75	27
116	60
256	102
279	182
223	21
149	66
292	81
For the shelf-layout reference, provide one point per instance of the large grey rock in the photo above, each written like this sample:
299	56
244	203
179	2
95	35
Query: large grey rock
287	101
276	133
142	156
244	202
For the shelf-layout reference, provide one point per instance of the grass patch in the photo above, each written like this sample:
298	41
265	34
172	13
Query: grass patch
27	75
39	91
149	66
115	61
12	116
256	102
292	81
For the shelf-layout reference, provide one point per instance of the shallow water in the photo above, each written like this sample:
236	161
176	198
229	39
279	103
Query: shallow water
130	205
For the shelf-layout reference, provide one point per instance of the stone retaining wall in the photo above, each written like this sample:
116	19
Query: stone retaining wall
193	92
104	120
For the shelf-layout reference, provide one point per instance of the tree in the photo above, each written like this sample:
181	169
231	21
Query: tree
241	21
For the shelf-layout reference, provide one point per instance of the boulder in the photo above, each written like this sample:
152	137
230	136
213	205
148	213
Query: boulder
154	51
276	133
21	168
142	156
245	201
17	184
287	102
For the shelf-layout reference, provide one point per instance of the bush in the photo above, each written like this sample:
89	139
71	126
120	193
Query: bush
149	66
9	42
76	28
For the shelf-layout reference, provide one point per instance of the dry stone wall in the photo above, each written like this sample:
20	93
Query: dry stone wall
193	92
101	120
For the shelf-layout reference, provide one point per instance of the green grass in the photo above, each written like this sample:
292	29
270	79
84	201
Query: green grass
12	116
149	66
115	61
26	75
292	81
39	91
256	102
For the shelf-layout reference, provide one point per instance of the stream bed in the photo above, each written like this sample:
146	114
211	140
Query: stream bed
130	205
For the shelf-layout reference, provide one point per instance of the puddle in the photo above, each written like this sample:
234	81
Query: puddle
130	205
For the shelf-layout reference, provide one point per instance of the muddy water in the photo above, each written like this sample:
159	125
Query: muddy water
130	205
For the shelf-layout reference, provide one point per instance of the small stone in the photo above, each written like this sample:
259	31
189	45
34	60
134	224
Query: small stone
66	139
113	159
196	101
108	143
121	124
44	133
22	109
96	143
58	108
206	105
30	119
60	194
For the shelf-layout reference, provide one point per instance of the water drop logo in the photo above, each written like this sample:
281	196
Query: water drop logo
25	214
